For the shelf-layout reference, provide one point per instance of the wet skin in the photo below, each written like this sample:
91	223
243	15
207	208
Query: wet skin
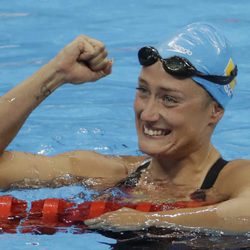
175	106
174	122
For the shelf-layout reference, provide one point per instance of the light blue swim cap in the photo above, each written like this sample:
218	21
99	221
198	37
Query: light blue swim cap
209	51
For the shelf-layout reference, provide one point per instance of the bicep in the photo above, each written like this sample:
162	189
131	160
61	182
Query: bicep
92	164
16	166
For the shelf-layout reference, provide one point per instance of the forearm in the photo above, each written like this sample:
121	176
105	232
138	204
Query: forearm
225	216
18	103
83	60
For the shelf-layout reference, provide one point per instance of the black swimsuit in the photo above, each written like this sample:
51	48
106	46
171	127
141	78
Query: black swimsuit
133	178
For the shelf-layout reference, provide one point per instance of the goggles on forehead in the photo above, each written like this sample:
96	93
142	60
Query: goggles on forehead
180	67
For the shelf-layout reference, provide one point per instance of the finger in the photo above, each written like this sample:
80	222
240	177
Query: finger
108	69
96	75
92	53
92	222
99	62
87	49
104	226
95	43
99	58
96	226
100	66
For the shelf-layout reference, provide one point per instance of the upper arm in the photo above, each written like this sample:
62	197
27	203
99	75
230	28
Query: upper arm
235	179
92	164
15	166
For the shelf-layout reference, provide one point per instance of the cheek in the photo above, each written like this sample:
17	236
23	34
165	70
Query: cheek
193	124
136	111
138	105
183	122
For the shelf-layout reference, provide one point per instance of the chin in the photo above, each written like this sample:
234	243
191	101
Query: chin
151	148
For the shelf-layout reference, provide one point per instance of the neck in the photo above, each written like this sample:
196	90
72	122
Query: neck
189	170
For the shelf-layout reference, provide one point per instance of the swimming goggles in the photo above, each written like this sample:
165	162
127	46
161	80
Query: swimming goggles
180	67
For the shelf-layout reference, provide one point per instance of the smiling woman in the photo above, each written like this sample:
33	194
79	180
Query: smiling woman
168	104
175	118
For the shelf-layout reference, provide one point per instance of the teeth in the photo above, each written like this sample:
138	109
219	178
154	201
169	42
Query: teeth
154	132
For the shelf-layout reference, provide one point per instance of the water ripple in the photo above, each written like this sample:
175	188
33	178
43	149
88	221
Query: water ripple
17	14
9	46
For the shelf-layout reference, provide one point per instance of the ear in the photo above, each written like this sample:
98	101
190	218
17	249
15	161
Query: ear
217	113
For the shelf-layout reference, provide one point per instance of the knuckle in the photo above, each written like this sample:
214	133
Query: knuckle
98	65
105	53
81	37
101	46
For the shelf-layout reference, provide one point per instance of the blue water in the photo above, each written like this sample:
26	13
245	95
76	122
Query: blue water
100	116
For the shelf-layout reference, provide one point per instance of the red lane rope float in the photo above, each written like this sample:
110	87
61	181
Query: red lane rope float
44	216
12	211
51	215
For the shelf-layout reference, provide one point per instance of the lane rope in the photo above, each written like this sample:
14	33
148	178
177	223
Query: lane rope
51	215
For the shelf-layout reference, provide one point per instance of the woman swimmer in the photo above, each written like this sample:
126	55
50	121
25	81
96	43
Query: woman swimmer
179	102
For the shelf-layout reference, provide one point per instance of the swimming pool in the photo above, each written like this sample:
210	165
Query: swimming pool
91	116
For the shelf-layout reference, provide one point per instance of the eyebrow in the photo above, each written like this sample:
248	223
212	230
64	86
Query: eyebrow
143	81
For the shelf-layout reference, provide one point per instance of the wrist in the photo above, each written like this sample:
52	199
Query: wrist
57	76
43	82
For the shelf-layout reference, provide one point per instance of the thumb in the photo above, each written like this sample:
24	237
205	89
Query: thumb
102	73
108	69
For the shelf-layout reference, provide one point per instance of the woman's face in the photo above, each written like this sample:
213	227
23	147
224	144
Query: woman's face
172	115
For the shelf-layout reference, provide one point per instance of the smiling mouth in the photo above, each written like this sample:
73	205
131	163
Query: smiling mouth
149	131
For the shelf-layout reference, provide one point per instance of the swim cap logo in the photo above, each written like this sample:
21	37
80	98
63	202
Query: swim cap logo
177	48
230	87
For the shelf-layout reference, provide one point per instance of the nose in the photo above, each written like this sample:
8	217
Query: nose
150	112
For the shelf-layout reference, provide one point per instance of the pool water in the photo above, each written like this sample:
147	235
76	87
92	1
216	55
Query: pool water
99	116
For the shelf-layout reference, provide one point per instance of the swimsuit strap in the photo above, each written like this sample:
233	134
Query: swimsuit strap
131	180
213	173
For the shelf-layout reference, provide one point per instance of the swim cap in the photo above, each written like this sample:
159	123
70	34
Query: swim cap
209	51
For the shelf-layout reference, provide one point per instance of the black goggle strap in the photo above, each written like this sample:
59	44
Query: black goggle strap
180	66
183	67
222	80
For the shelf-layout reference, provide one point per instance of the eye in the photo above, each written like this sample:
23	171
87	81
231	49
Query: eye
142	90
169	100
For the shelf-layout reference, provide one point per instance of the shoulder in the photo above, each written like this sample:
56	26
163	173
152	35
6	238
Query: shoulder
234	178
93	164
236	168
133	162
15	166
